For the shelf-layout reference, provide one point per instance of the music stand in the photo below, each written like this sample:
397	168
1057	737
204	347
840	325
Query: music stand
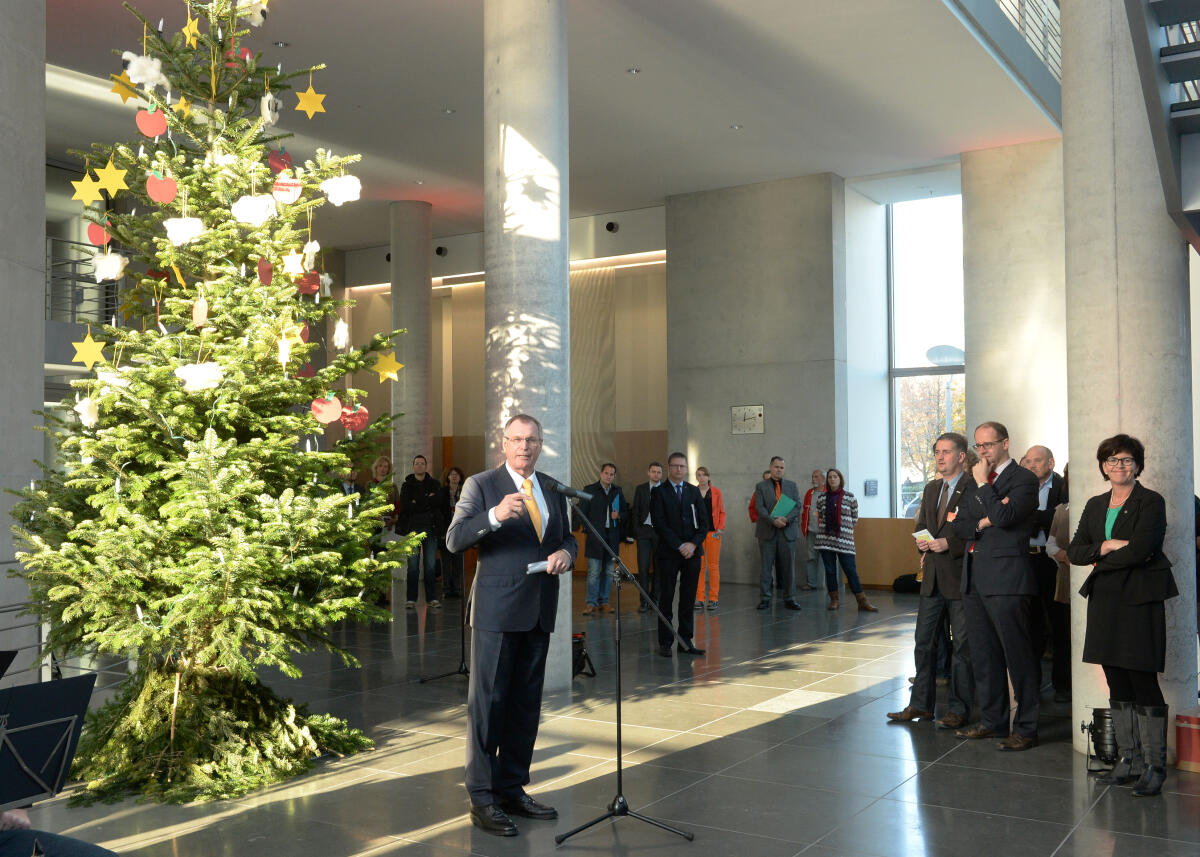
39	731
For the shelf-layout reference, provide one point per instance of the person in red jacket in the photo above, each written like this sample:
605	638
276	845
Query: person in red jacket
813	572
711	495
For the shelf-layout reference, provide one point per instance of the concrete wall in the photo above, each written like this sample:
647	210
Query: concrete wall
1014	293
867	413
756	294
23	287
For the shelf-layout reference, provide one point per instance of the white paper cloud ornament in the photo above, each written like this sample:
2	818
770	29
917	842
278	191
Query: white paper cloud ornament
254	210
183	230
342	189
200	376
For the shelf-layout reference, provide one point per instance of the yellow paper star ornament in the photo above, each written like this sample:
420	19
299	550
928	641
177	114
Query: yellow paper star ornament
310	101
111	178
191	32
87	190
89	352
183	107
123	86
387	367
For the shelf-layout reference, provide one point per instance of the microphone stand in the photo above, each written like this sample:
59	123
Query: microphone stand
619	807
463	669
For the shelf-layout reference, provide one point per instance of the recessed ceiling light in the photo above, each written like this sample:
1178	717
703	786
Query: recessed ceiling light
281	44
418	181
735	127
448	111
633	70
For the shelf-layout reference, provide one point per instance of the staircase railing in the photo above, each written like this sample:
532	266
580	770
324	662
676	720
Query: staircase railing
72	293
1038	22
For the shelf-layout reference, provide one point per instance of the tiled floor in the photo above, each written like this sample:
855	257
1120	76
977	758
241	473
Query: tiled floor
774	744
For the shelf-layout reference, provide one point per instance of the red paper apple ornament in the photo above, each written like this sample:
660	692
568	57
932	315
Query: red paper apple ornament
286	190
357	419
97	234
233	56
265	271
152	122
304	334
307	372
279	160
161	189
327	409
309	284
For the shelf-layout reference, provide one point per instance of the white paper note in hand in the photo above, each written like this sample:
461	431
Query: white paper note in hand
535	567
923	536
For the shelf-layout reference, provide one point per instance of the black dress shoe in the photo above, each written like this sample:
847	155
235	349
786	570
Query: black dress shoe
691	650
764	604
791	604
664	651
529	808
492	819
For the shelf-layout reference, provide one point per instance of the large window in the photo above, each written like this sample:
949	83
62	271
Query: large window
928	380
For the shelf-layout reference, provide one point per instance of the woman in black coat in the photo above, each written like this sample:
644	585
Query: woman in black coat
1120	535
452	563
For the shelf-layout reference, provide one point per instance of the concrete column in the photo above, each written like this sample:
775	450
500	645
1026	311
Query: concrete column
526	300
23	287
411	240
1128	336
1014	293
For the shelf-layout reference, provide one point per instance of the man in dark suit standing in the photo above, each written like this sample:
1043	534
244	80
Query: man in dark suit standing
777	534
997	518
515	520
1039	461
941	590
681	521
643	530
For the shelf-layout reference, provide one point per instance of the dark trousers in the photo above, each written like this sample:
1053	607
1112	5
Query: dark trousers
931	615
1056	617
504	704
452	572
426	556
666	569
647	544
776	553
1001	629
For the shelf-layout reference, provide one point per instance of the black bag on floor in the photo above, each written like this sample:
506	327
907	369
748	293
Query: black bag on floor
907	583
581	662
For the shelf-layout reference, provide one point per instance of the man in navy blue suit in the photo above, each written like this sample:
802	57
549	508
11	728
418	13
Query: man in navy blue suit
511	515
681	522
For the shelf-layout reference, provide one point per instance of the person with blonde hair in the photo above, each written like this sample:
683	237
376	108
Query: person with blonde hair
711	559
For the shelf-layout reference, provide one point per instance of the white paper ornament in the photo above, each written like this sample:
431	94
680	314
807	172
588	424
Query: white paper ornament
145	71
88	410
255	11
341	334
342	189
254	210
183	230
110	378
311	249
326	282
200	376
268	108
109	266
293	264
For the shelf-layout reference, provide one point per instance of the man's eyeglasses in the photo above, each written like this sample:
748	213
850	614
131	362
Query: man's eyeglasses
987	444
520	441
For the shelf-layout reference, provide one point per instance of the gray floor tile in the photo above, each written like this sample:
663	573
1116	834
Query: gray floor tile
831	768
1169	816
1089	842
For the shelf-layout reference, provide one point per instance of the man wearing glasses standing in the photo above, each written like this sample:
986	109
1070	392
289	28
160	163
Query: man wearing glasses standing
517	522
681	521
996	518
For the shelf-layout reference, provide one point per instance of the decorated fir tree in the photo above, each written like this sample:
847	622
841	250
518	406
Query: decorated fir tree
194	520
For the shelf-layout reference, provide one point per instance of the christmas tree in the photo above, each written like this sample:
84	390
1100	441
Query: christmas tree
194	522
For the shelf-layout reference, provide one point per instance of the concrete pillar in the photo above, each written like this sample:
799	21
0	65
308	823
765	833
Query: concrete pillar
756	315
526	300
411	240
23	287
1014	293
1128	336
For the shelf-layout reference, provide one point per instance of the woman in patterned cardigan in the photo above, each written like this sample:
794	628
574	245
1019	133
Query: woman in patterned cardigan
837	513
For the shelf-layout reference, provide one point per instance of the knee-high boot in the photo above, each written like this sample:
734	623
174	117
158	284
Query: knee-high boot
1129	765
1152	725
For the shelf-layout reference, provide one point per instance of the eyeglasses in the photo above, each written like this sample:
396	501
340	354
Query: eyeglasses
1119	462
987	444
519	441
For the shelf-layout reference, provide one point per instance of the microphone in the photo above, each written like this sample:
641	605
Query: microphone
567	491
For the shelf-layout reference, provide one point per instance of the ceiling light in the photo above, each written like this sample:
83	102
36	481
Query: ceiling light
448	111
735	127
418	181
633	70
281	44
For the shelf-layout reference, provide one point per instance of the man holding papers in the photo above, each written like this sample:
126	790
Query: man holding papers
681	521
941	589
777	501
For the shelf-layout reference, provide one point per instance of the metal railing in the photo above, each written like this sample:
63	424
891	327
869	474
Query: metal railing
72	293
1038	22
1187	33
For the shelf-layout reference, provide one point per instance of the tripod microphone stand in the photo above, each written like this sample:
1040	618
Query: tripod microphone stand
463	669
619	807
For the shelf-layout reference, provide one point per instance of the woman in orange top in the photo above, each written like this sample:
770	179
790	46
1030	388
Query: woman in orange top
712	542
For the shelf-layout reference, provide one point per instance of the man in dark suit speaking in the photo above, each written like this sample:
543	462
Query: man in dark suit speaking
513	518
999	591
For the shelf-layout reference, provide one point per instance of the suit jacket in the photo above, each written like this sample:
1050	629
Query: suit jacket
1045	517
1138	573
944	569
597	511
677	522
639	511
503	596
764	502
1000	562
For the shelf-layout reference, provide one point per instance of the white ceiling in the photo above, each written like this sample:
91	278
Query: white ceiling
854	87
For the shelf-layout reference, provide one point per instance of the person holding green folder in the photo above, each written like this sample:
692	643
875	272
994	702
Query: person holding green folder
777	501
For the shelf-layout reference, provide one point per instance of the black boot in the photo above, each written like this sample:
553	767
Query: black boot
1152	724
1130	765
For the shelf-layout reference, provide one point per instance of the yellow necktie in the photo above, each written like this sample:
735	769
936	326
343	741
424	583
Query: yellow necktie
535	514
